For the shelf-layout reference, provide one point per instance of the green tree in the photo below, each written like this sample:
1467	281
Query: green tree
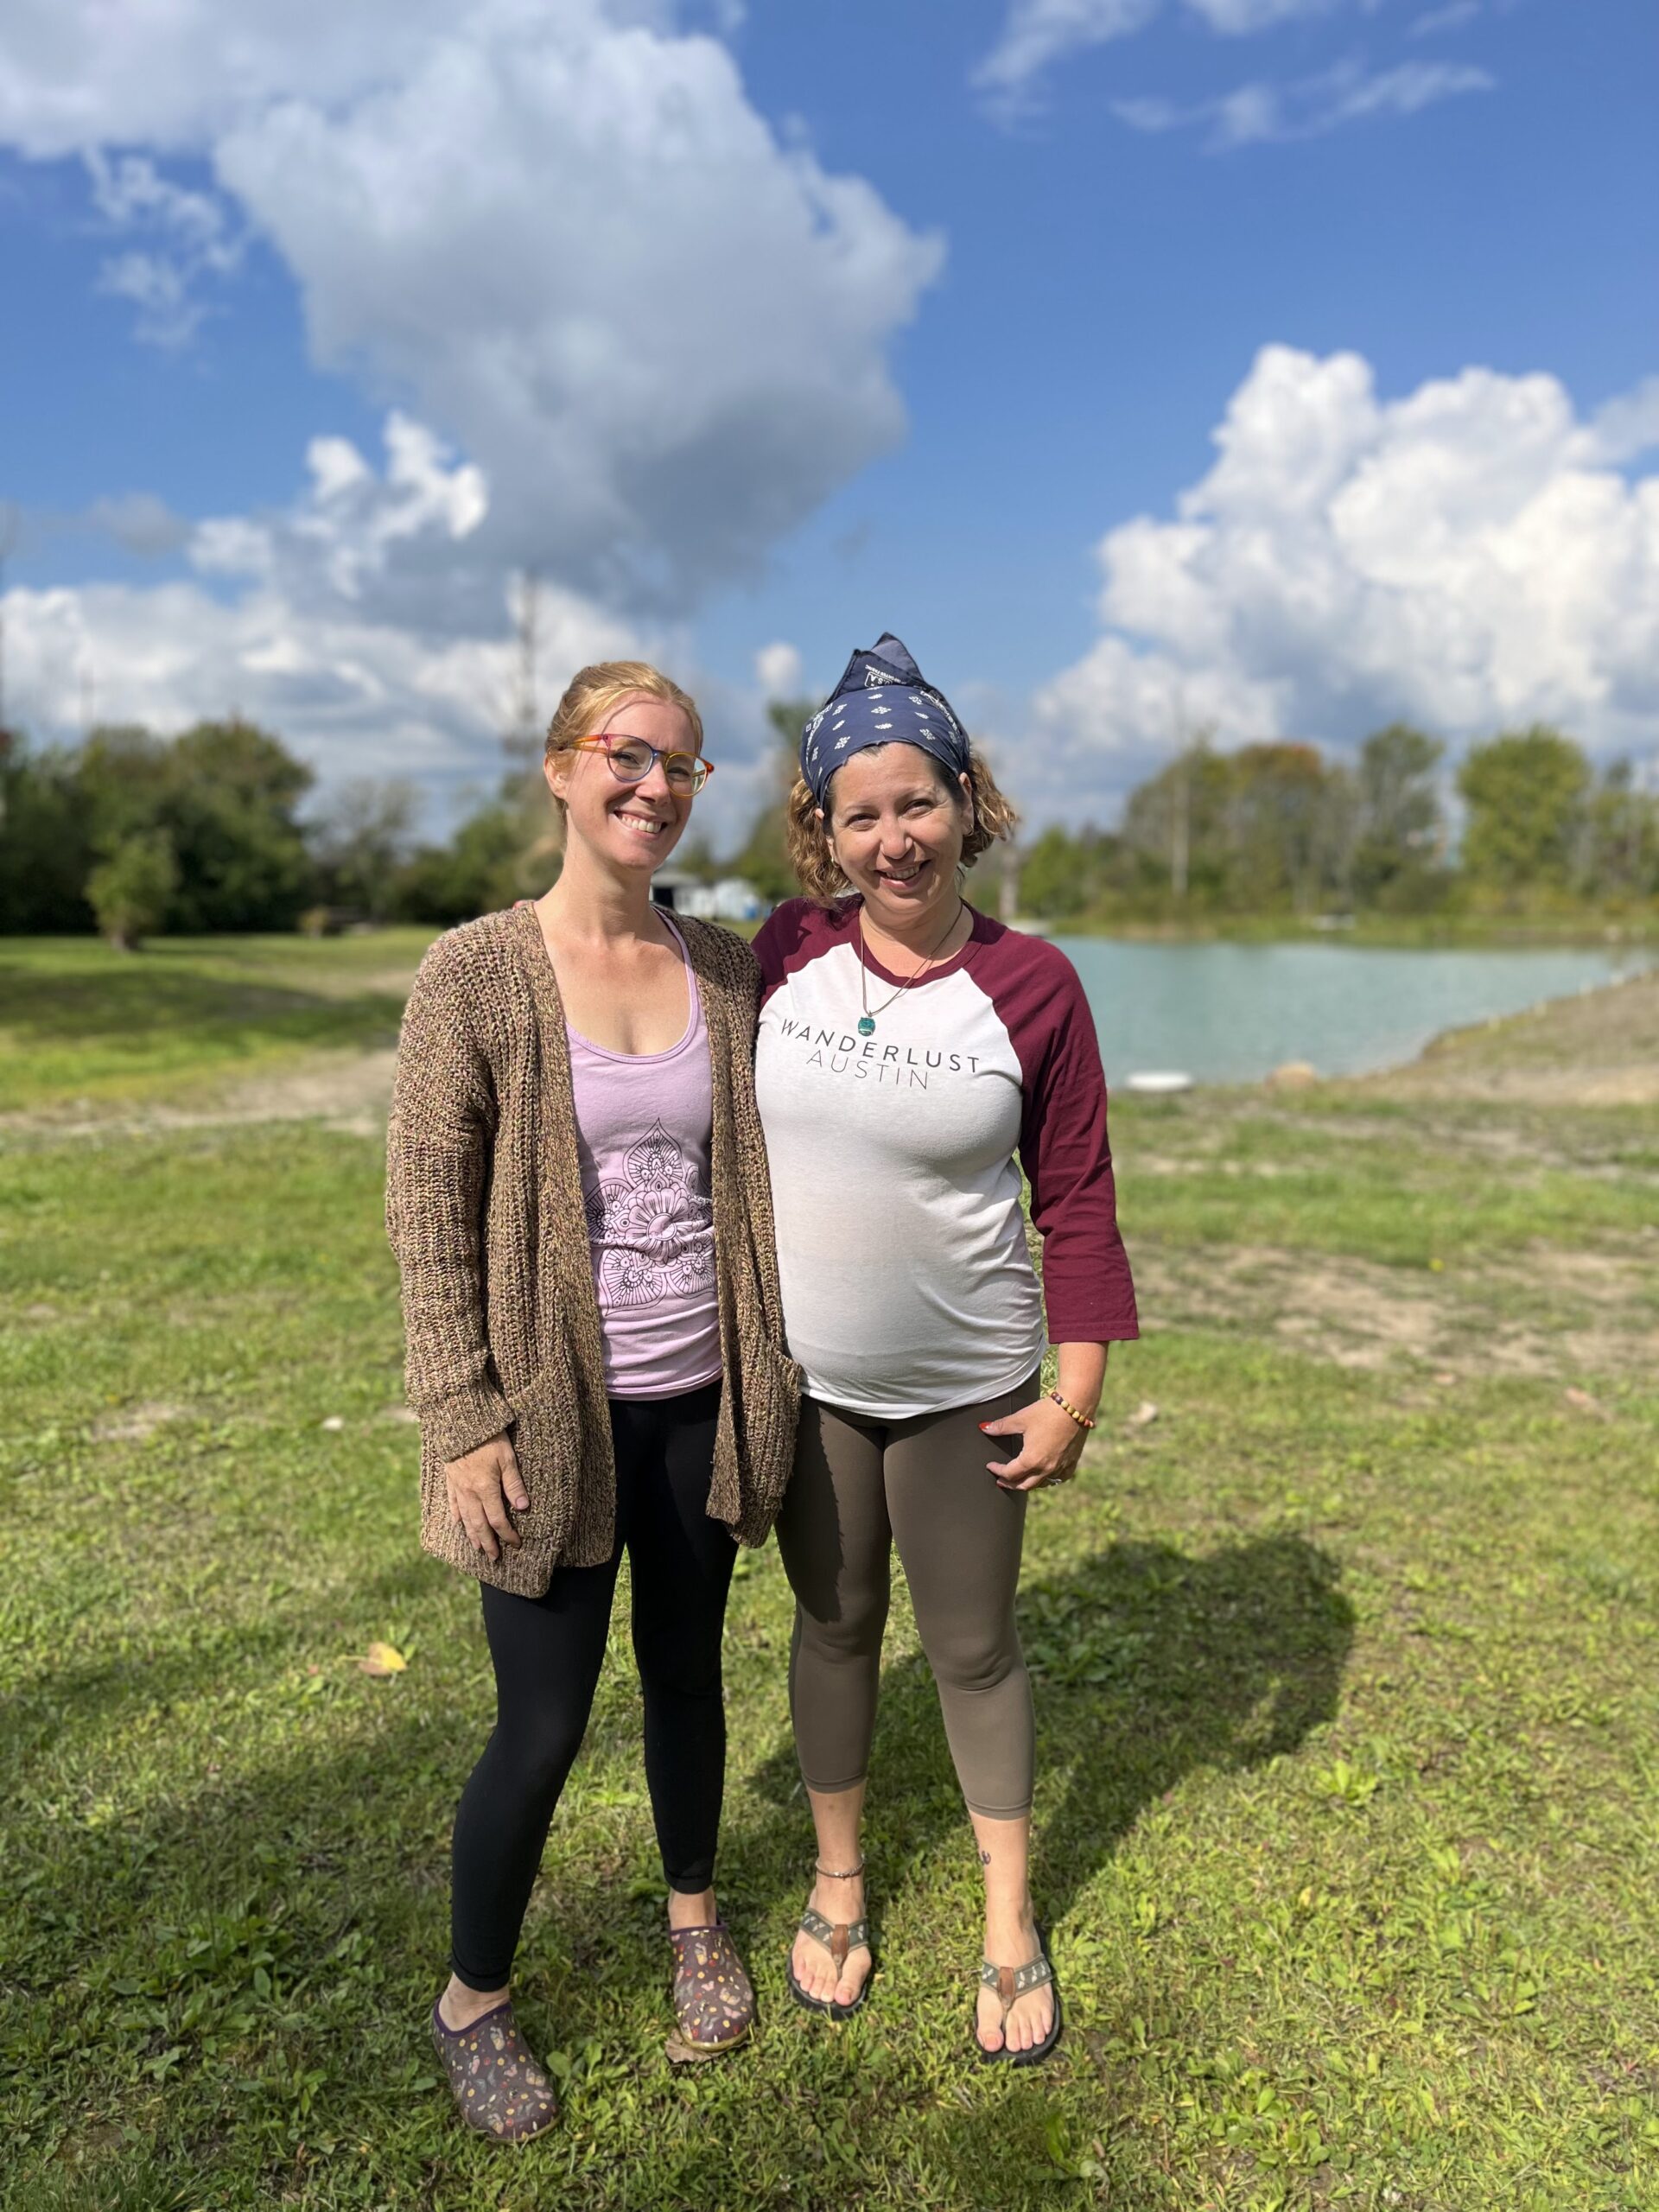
1276	818
1620	859
362	842
45	843
130	889
1400	829
223	794
232	793
1526	793
1174	841
1061	876
122	780
764	858
482	868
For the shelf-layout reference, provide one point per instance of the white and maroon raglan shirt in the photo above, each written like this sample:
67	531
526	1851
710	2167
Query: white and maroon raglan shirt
896	1157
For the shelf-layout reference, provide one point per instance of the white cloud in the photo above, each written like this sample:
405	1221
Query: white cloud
386	544
139	523
322	620
352	624
352	696
1039	33
662	335
777	670
1627	427
192	240
171	74
1438	21
1466	556
1261	114
556	229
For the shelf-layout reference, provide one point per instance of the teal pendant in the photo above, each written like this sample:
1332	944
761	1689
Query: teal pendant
866	1025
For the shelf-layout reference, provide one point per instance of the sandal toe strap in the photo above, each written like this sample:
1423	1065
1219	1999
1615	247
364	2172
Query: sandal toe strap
1011	1983
837	1938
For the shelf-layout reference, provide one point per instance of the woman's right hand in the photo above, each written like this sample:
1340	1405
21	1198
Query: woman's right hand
482	1484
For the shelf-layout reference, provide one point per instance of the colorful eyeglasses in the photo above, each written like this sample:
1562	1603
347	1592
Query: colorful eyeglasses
632	760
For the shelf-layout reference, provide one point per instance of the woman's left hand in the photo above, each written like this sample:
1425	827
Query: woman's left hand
1051	1446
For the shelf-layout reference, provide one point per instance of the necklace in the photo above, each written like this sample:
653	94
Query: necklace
866	1019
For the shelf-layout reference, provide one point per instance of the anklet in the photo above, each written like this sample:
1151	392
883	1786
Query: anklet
830	1876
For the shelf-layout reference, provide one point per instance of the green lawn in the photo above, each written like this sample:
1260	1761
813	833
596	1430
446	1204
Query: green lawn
80	1025
1346	1683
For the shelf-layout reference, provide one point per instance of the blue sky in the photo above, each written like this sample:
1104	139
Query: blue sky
773	328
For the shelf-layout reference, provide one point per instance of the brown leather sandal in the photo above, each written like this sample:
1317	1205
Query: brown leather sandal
1011	1983
838	1937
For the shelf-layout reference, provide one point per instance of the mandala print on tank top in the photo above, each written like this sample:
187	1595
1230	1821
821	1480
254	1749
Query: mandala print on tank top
652	1231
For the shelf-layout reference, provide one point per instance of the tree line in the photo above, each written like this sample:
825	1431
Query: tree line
137	835
134	835
1282	828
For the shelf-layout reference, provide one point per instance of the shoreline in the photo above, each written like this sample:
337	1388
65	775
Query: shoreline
1580	1049
1369	933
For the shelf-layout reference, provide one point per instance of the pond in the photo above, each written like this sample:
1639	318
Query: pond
1232	1013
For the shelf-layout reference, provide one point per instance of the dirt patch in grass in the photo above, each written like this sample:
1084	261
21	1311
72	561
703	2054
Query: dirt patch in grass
1600	1049
134	1423
350	1091
1547	1313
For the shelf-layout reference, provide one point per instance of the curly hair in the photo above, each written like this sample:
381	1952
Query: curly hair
595	692
812	856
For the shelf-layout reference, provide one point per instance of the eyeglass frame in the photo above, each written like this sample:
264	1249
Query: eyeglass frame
605	741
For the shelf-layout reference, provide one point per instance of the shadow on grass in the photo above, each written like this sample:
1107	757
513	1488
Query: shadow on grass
298	1915
1147	1662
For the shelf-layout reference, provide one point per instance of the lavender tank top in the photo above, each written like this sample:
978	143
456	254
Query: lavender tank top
643	1122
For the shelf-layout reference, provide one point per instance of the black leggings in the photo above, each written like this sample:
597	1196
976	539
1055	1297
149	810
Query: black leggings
547	1651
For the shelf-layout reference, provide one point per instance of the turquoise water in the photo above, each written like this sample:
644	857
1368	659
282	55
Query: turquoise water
1230	1012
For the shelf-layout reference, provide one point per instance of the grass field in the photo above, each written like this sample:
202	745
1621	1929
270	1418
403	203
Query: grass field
1346	1673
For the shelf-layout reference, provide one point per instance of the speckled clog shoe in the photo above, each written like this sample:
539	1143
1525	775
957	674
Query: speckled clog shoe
714	2003
498	2087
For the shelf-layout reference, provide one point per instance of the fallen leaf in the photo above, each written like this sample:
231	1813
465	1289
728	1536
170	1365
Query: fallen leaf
1581	1401
383	1659
1143	1413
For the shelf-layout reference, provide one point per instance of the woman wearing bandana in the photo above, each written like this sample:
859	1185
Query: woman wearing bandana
913	1058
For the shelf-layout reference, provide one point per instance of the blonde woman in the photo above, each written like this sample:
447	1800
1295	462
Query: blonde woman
913	1056
578	1198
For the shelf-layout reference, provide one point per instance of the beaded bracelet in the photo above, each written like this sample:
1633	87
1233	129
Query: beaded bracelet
1066	1407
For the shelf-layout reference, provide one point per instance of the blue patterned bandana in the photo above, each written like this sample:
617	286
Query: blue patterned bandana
880	700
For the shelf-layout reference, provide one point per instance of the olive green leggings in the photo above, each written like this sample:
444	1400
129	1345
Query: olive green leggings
860	1486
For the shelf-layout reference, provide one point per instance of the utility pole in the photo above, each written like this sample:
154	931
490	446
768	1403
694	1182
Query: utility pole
1193	741
8	546
524	729
1181	823
8	540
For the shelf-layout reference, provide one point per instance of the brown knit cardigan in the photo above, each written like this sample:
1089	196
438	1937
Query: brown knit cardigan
484	1209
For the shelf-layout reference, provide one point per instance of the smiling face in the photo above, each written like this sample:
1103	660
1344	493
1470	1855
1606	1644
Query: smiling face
621	825
896	823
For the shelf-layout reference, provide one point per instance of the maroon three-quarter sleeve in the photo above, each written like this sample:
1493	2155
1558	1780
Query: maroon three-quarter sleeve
1063	1146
